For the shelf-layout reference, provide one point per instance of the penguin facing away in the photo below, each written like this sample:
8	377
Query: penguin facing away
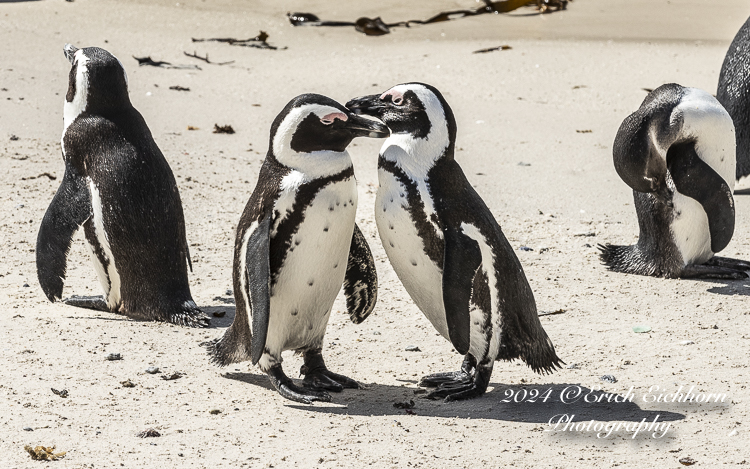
117	186
677	153
733	93
446	247
296	244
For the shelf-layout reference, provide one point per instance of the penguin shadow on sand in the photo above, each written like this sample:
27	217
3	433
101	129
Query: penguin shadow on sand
536	403
221	311
730	287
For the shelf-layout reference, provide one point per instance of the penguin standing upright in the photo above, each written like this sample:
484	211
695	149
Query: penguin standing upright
677	153
296	243
733	93
446	247
119	187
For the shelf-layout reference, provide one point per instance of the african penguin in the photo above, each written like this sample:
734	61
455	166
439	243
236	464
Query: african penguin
446	247
734	94
677	153
119	187
296	244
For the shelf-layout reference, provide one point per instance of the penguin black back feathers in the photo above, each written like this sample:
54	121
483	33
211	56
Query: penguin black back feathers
119	187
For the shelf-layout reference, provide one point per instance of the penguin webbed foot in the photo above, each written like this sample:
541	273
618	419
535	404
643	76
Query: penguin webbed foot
190	315
728	262
89	302
708	271
463	376
458	391
289	390
319	377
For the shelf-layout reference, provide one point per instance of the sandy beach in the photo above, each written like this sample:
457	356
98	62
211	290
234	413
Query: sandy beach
536	124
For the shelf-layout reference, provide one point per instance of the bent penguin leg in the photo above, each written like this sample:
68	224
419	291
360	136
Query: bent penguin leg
318	376
462	376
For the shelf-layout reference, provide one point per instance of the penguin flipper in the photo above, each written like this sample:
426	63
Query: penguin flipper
69	209
694	178
258	271
461	260
361	280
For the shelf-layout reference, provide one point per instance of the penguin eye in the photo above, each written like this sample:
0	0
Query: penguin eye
326	121
398	100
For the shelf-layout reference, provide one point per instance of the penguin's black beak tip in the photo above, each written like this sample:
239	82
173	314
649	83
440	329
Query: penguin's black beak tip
366	127
70	51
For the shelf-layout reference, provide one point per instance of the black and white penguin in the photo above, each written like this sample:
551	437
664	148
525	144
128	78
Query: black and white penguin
296	244
677	153
734	94
119	187
446	247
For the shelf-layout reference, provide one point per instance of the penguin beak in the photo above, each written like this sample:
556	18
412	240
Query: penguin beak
369	105
365	127
70	52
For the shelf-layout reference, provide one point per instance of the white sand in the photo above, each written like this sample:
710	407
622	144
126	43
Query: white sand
583	69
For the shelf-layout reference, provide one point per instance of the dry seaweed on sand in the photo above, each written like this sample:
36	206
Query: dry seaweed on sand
63	393
378	27
44	453
148	433
492	49
223	129
205	59
154	63
259	42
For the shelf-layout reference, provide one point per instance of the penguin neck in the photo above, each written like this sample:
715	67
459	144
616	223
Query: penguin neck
313	165
416	156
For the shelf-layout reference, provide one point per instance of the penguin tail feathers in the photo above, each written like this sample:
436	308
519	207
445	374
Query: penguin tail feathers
629	260
227	349
543	359
189	315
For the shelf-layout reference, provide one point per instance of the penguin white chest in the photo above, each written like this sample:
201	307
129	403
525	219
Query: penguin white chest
421	277
690	230
313	270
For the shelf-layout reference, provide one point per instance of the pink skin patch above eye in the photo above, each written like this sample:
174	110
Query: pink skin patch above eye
396	96
329	118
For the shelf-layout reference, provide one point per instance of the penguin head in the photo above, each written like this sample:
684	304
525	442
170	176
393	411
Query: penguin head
416	110
312	123
97	82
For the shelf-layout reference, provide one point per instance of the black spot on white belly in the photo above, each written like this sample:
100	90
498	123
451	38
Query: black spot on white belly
295	312
414	262
310	282
330	208
296	242
335	265
325	229
391	243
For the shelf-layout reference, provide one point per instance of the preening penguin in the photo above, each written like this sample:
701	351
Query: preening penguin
296	243
734	94
119	187
446	247
677	153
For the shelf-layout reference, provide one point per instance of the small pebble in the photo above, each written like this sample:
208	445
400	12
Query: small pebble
376	333
733	432
229	292
574	366
412	348
127	384
113	357
687	342
214	411
219	314
152	370
28	429
609	379
525	248
180	454
26	285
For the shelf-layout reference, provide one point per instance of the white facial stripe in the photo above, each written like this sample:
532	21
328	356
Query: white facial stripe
421	153
73	109
313	165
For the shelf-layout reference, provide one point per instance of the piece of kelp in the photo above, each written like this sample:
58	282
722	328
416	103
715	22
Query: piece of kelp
154	63
378	27
259	42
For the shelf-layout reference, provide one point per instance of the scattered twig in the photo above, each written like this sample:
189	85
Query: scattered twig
50	176
491	49
63	393
205	59
550	313
179	88
149	61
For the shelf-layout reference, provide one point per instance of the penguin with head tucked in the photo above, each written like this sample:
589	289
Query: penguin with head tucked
446	246
296	244
119	187
677	153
